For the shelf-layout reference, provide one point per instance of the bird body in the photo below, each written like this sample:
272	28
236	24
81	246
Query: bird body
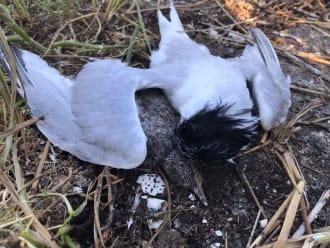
94	116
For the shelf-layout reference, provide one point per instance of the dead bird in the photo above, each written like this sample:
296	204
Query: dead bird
221	102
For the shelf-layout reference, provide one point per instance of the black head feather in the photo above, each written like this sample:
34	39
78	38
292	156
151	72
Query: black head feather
212	135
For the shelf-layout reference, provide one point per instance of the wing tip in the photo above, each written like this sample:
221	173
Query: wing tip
264	46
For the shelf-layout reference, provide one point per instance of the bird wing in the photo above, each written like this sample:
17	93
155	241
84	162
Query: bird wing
94	116
104	109
270	87
48	95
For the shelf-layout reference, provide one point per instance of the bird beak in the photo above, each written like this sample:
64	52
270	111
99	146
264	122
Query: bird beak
198	189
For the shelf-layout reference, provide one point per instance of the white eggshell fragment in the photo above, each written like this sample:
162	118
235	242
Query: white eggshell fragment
151	184
154	224
263	223
154	204
218	233
215	245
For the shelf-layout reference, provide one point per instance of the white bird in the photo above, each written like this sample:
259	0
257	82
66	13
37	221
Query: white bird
222	102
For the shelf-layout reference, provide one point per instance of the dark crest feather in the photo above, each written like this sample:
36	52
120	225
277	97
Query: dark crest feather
212	135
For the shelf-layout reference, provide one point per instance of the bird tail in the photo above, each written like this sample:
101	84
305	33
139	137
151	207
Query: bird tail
170	28
47	93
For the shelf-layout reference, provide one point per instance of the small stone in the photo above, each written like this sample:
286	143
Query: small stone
154	223
263	223
130	222
192	197
204	221
177	223
77	189
214	34
218	233
215	245
52	157
155	204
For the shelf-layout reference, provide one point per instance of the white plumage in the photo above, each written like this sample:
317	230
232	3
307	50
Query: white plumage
94	116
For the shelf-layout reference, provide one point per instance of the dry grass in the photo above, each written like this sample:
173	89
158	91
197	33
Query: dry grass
74	30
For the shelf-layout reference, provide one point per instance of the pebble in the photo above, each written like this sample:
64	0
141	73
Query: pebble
263	223
218	233
154	223
215	245
192	197
155	204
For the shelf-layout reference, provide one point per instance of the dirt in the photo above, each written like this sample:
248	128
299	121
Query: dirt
230	215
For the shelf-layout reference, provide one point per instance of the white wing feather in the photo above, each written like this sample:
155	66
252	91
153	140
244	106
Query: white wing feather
271	87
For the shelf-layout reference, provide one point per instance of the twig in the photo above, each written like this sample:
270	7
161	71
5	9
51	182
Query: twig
40	166
97	199
303	64
57	33
253	149
277	228
230	16
272	223
313	214
18	127
62	182
284	133
326	118
254	228
287	169
5	16
248	185
19	178
42	231
136	24
293	165
290	215
324	85
303	210
317	59
92	47
186	7
312	169
309	91
308	241
317	23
